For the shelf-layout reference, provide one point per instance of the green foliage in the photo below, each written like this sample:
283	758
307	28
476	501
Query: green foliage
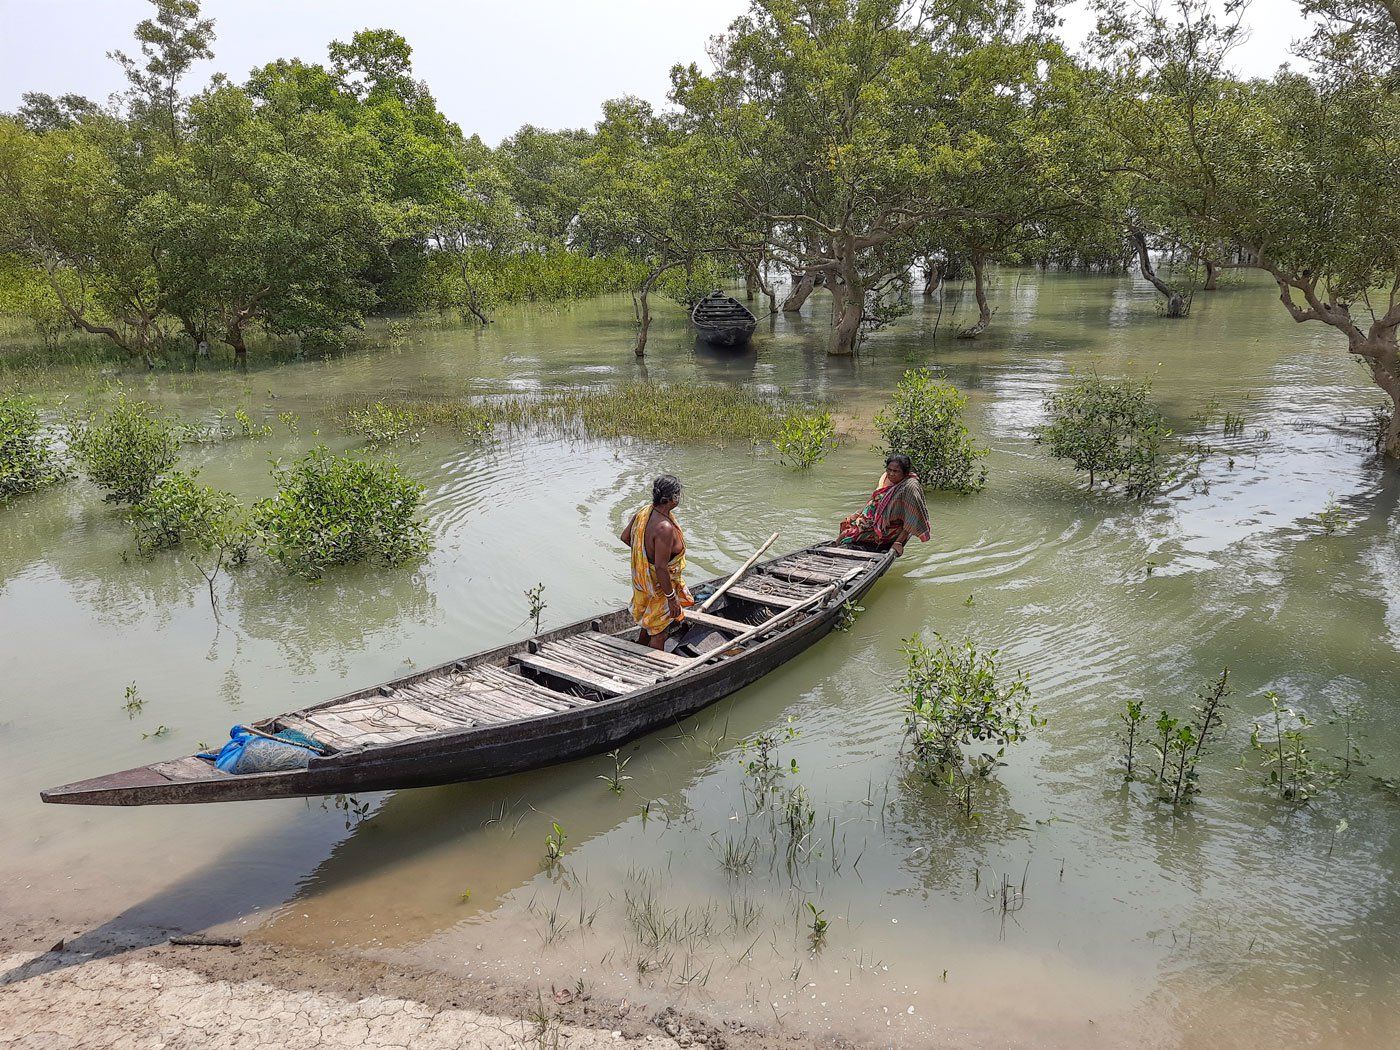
617	778
958	699
178	508
27	462
1282	745
924	421
554	844
805	438
381	424
337	510
1180	742
132	701
125	447
1113	431
535	596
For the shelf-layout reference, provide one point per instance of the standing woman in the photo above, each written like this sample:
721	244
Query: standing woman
659	595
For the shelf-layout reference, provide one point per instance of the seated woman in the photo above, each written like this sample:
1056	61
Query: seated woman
895	512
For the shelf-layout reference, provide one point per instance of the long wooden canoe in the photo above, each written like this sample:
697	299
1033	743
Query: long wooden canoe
579	690
722	320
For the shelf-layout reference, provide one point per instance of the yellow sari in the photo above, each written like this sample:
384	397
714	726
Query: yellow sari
648	603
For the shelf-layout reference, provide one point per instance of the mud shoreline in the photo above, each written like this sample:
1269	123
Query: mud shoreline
61	990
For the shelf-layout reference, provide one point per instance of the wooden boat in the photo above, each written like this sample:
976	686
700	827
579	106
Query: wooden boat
579	690
723	320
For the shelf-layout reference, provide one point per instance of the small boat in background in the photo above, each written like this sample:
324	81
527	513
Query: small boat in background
723	320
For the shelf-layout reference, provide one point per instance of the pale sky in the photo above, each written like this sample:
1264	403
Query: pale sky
493	66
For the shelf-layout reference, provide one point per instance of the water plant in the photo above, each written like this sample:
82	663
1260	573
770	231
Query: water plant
957	698
804	439
336	510
1111	430
1281	742
27	462
554	844
924	421
818	925
1179	741
382	424
616	779
133	701
850	611
125	447
211	524
1331	517
535	596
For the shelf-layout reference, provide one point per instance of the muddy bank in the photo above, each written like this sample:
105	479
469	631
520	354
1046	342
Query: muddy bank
254	995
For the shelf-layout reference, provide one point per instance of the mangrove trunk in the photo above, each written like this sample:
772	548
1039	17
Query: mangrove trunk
984	311
1176	302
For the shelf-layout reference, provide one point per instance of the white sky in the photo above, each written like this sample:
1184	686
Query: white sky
492	65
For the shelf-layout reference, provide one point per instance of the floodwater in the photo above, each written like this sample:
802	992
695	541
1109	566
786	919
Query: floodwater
1239	921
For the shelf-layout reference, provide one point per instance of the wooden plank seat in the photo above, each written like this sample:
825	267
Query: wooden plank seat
626	645
847	552
569	671
808	574
777	601
719	623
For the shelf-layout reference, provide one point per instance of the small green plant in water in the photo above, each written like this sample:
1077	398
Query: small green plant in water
1179	742
554	844
382	424
133	701
337	510
1111	430
1281	742
535	596
158	731
804	439
850	611
818	925
616	779
125	447
27	462
1332	517
925	422
958	698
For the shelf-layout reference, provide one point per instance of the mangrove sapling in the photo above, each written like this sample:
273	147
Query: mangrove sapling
1281	743
27	462
212	525
535	596
337	510
554	844
125	447
804	439
1331	517
133	701
818	926
1132	718
959	699
1112	431
382	424
925	422
616	779
849	612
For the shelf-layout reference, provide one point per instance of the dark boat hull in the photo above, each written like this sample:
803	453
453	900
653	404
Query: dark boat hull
493	750
722	320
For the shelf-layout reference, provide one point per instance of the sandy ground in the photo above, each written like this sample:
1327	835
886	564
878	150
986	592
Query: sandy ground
164	996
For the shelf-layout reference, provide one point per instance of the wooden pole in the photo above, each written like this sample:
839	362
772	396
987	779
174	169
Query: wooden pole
705	605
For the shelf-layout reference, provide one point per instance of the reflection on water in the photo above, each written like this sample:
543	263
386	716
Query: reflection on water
1236	923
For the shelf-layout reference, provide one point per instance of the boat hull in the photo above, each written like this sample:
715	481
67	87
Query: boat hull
487	751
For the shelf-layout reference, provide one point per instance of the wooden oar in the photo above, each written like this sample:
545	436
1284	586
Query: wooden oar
705	606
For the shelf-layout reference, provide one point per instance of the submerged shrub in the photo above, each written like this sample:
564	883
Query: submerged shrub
124	448
178	509
924	421
1113	431
26	460
960	709
381	424
805	438
335	510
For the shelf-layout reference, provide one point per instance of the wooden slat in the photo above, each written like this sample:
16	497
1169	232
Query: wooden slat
636	662
764	598
573	673
189	768
847	552
794	572
719	623
326	736
623	645
602	662
529	690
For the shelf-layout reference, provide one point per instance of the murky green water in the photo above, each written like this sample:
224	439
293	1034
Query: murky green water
1237	923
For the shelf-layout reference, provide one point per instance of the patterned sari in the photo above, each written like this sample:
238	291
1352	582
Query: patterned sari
648	603
892	509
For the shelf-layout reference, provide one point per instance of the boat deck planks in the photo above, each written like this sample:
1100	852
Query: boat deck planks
569	672
719	623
